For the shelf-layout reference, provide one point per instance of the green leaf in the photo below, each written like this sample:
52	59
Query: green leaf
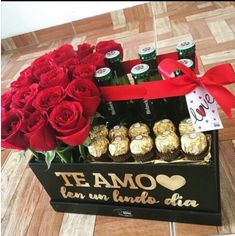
35	154
98	115
49	157
87	142
82	151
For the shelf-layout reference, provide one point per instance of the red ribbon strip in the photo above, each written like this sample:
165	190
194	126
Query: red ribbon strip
213	81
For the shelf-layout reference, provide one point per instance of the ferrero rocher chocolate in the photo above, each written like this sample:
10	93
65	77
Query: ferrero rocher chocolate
140	145
186	126
162	126
98	147
194	143
167	142
98	131
138	129
118	130
119	146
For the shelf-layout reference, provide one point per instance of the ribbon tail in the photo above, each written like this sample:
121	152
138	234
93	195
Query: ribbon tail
223	97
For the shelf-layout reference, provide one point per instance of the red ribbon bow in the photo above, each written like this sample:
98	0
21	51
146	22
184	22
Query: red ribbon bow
213	81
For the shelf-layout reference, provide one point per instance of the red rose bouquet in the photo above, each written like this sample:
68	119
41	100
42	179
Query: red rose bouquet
49	108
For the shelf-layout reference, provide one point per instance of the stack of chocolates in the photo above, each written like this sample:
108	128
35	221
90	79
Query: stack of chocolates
140	143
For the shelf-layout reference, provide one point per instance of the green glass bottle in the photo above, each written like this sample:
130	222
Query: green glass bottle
113	61
111	111
148	56
145	108
181	105
186	50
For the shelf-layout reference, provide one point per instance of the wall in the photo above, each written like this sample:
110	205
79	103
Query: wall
23	17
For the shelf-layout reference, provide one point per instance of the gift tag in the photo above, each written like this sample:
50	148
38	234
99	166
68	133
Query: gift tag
203	110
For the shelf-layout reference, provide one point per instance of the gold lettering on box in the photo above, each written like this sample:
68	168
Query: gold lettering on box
76	177
143	198
117	183
149	177
68	194
98	197
100	180
177	200
173	183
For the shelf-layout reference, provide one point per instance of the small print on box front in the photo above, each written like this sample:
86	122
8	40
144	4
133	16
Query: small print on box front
181	193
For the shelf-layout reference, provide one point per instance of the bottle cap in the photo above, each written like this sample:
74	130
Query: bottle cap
186	47
147	53
103	74
113	56
139	69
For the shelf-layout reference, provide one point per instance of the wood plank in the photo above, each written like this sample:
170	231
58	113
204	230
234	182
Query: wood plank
45	219
21	208
12	173
116	226
227	184
4	155
77	224
194	230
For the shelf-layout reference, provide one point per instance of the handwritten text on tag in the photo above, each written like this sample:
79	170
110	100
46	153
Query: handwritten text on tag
203	111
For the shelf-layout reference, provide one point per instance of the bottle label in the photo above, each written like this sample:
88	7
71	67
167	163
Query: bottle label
111	108
146	107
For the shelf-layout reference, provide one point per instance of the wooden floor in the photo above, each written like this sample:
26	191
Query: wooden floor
25	205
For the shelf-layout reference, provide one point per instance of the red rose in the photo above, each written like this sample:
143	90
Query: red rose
96	59
11	136
40	135
24	96
63	53
106	46
85	92
70	64
22	81
56	76
40	66
68	120
84	71
48	98
6	99
84	50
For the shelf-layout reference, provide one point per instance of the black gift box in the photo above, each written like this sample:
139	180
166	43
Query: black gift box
168	191
173	192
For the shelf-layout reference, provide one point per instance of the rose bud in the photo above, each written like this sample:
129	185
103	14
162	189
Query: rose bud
84	71
12	136
96	59
84	50
56	76
23	97
106	46
48	98
68	120
39	133
85	92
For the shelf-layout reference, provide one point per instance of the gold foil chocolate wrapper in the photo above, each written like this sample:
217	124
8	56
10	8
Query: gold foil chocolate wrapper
167	142
186	127
98	131
98	146
119	146
118	130
194	143
140	145
138	129
162	126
